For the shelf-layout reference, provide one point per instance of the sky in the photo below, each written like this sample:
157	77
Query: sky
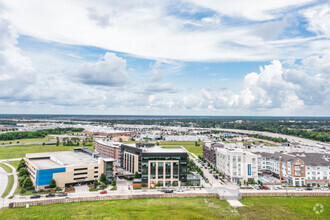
171	57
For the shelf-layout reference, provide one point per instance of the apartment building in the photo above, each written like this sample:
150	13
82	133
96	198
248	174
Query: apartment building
156	165
209	151
298	169
237	164
68	168
108	148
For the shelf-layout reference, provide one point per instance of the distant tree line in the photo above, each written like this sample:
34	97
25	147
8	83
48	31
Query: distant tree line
36	134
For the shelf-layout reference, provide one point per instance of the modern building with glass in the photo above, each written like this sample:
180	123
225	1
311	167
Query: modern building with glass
68	168
157	165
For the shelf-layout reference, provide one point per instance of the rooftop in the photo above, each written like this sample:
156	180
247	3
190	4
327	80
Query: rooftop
60	159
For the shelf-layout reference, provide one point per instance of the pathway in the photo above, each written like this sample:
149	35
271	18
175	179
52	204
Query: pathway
13	189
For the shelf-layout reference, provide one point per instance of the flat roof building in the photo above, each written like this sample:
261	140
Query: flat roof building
108	148
164	167
68	167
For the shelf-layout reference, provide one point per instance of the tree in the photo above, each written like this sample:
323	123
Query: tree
21	165
120	140
57	141
23	172
136	175
96	183
103	178
52	184
27	183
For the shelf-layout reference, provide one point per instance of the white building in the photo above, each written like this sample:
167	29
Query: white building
237	164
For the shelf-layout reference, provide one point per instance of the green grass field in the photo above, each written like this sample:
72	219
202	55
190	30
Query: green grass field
14	163
6	168
277	208
177	208
20	151
30	140
9	186
189	145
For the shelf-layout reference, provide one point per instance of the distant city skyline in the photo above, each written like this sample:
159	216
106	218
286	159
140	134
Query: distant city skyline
249	58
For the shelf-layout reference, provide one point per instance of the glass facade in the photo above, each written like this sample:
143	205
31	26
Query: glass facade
179	168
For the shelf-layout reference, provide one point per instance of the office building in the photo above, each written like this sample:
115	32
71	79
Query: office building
163	167
68	168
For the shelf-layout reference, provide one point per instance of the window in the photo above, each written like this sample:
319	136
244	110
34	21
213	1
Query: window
160	170
95	176
239	158
96	167
80	174
96	171
80	169
80	178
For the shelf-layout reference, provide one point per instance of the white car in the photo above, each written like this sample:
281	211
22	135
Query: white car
325	189
299	189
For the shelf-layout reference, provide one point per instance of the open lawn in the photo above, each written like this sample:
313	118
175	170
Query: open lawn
277	208
6	168
166	208
14	163
20	151
178	208
29	140
9	186
189	145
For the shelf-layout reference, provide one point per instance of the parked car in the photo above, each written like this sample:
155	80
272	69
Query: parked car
299	189
265	187
309	188
62	194
180	190
103	192
325	189
168	191
50	195
256	187
34	196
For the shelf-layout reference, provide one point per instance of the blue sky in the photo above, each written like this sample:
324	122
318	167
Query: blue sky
188	57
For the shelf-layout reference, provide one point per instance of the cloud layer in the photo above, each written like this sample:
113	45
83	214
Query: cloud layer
152	44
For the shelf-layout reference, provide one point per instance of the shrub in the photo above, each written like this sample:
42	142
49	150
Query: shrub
103	186
103	178
96	183
114	183
58	189
23	191
144	185
52	184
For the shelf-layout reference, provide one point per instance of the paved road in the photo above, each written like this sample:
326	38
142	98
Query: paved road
32	143
270	134
3	180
